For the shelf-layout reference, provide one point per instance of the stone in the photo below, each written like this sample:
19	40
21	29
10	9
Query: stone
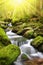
24	57
4	38
9	54
38	43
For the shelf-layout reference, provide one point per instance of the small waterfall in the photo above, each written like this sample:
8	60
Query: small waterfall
16	39
18	62
9	24
25	47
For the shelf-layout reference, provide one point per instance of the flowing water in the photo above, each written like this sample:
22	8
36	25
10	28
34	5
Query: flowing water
25	47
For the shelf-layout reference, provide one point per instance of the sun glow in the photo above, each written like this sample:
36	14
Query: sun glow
17	9
17	2
21	7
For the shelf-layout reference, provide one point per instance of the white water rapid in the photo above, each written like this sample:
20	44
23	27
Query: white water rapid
25	47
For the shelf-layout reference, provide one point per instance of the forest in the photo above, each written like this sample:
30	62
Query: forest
21	32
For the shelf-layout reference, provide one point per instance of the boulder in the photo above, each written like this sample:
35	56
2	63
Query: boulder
36	61
9	54
39	30
3	24
28	29
3	37
38	43
24	57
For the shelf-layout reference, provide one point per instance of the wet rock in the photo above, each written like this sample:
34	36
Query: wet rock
30	63
9	54
35	61
28	29
39	30
40	61
3	24
38	43
24	57
27	32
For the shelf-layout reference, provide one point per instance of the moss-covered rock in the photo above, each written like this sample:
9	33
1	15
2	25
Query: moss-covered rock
38	43
9	54
1	45
28	29
39	30
34	22
3	37
24	57
4	24
29	34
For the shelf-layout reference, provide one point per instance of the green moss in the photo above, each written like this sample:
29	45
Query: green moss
28	29
9	54
24	57
4	24
3	37
39	30
38	43
28	34
1	45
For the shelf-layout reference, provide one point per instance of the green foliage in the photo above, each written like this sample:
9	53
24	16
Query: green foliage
9	54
